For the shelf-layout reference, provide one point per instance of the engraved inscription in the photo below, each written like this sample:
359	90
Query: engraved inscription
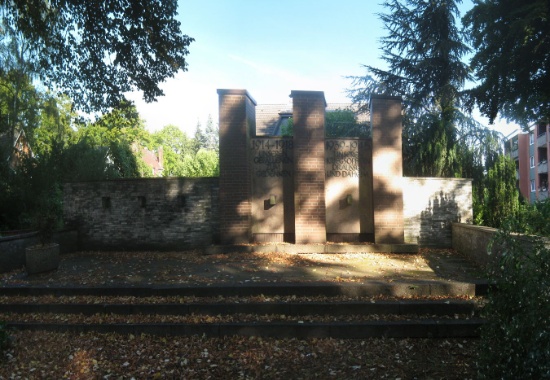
270	156
342	158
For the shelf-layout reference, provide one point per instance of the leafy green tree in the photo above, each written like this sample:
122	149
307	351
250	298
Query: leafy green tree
172	138
516	337
121	132
212	135
511	39
18	96
424	52
338	123
55	124
19	103
204	164
533	219
175	145
343	123
288	128
95	51
501	196
200	139
83	161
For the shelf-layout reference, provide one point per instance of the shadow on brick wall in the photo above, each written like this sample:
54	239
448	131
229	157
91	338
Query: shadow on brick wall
437	219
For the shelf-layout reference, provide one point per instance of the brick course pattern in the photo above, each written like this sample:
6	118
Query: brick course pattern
387	168
237	120
145	213
309	166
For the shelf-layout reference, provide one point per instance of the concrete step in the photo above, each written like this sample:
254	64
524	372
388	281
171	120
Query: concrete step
427	328
336	308
394	318
365	289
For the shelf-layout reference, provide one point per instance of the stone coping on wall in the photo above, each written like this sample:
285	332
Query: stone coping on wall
243	92
9	235
313	248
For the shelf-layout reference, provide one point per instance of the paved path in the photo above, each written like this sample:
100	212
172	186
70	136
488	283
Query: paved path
198	268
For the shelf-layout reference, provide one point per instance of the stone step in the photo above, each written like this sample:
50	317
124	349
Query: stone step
366	289
426	328
337	308
314	248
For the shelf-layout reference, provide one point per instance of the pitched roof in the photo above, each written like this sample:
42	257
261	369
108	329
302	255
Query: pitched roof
12	149
268	118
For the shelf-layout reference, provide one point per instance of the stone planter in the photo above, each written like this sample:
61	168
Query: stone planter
40	258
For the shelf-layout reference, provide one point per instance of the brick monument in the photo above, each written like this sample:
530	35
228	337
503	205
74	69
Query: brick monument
309	189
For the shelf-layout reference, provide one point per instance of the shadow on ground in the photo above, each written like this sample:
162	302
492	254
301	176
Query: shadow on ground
197	268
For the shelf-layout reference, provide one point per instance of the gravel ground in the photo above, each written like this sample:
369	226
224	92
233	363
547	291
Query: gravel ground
42	355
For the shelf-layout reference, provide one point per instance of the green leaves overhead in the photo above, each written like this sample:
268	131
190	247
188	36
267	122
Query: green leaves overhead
95	51
511	39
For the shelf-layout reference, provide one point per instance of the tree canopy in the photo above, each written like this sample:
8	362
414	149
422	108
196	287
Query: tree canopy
424	51
96	50
511	63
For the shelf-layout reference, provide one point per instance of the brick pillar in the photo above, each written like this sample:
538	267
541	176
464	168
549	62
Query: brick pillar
237	122
309	166
387	169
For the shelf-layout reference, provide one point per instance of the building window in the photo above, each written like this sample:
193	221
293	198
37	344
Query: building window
531	138
533	185
532	161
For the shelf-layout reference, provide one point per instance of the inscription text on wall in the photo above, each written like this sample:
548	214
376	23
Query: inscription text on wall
342	158
269	157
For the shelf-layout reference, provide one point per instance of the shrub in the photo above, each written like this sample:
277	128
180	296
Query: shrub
516	338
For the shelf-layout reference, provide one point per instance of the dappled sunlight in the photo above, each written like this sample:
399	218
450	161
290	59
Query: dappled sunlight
387	161
232	267
81	366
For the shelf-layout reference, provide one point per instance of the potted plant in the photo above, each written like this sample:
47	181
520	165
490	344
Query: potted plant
44	256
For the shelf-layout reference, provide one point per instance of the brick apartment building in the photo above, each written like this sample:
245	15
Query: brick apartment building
530	151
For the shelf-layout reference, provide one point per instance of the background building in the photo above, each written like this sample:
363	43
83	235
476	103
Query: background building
530	152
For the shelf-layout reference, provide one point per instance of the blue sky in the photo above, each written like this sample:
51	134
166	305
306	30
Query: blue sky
268	47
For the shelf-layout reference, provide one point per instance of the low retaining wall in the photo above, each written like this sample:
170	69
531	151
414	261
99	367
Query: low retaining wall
12	247
473	242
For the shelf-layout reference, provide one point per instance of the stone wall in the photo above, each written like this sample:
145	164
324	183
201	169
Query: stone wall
182	213
146	213
431	205
474	241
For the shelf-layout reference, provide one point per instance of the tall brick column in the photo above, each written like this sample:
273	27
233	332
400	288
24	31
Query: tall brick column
309	166
237	122
387	169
